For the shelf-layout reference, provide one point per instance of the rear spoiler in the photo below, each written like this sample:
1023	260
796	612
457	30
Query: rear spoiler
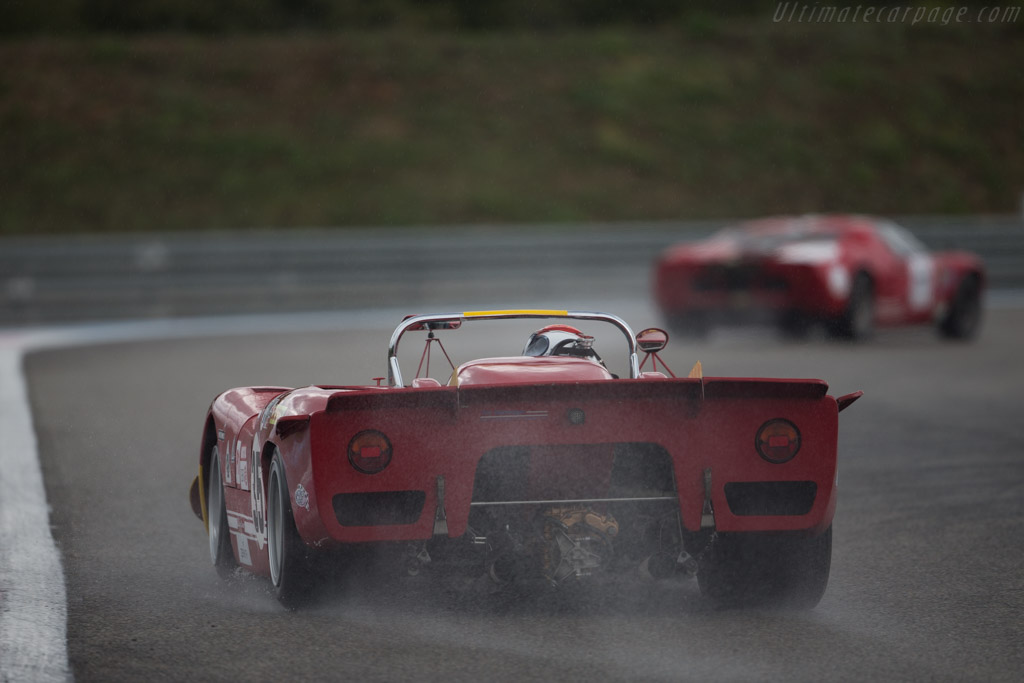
692	389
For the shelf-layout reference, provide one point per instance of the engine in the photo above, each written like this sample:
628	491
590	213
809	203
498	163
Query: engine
576	541
634	528
561	544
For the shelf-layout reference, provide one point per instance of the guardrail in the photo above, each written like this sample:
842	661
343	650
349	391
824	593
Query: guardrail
65	279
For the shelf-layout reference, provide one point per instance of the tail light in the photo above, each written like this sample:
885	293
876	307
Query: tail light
369	451
778	440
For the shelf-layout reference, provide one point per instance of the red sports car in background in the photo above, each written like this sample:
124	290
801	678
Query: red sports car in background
850	273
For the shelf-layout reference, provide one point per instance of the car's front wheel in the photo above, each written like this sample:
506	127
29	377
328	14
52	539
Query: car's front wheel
217	524
778	569
964	315
289	556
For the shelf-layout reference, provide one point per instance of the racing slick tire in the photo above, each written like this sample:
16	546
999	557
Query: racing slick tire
857	322
964	315
220	538
289	559
750	569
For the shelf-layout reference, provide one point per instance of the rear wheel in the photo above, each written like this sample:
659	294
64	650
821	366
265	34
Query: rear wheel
220	538
784	570
289	557
857	322
964	316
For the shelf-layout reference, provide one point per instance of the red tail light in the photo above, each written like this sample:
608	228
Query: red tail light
778	440
369	451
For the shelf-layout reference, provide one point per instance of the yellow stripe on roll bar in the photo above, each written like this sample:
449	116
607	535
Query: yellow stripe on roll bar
551	313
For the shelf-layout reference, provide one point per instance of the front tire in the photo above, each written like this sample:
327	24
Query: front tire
750	569
220	538
289	556
964	316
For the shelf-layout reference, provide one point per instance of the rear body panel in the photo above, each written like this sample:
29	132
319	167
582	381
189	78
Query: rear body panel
444	438
751	289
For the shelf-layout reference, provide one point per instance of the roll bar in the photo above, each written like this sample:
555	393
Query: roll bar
395	373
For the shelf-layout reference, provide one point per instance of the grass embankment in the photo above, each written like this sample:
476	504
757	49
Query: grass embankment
717	119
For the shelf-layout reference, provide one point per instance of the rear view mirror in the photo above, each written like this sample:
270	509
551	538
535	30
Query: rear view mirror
435	325
444	325
652	340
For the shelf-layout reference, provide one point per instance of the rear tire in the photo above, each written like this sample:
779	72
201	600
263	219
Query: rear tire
783	570
289	556
220	538
857	322
964	315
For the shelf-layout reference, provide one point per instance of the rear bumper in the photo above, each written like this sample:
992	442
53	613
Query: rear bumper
762	294
741	506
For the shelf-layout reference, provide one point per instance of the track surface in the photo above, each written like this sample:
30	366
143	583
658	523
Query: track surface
926	581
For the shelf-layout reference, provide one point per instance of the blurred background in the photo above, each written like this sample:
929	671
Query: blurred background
187	156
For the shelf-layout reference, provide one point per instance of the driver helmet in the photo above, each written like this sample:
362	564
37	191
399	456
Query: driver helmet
560	340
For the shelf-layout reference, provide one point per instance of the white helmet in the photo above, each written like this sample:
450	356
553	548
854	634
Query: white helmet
560	340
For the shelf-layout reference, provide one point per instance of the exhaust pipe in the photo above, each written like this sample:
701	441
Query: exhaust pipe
503	569
663	565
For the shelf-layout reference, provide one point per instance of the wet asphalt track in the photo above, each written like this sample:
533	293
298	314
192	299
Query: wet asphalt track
926	580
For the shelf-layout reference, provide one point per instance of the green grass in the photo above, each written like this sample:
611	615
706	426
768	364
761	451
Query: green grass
712	119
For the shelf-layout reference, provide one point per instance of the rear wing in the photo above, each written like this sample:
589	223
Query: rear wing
693	390
452	320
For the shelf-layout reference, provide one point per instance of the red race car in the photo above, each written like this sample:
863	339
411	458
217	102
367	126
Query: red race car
850	273
539	468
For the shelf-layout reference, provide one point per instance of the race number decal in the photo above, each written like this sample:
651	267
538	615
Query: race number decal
257	497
